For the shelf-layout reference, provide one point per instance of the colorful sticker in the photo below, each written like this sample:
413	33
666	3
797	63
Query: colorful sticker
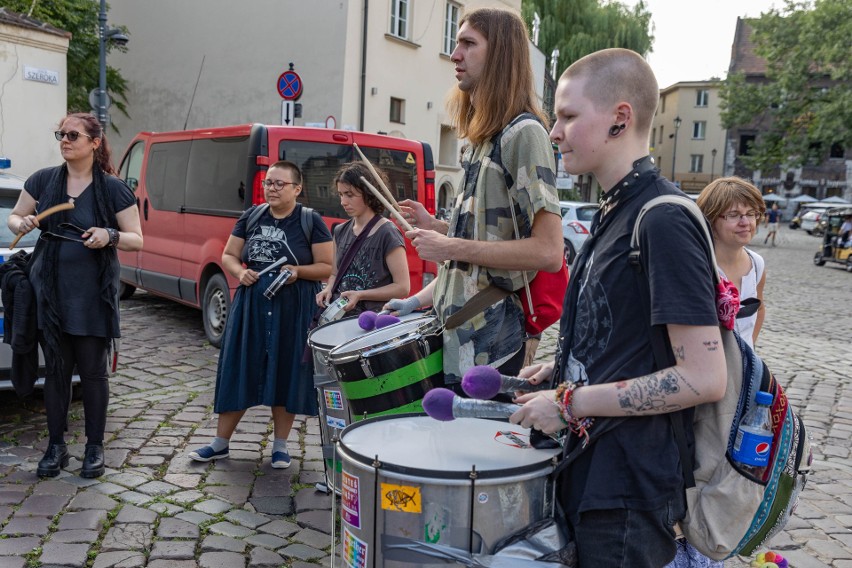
409	159
354	550
402	498
339	423
333	399
350	500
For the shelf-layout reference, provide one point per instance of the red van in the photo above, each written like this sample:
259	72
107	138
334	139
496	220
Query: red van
192	185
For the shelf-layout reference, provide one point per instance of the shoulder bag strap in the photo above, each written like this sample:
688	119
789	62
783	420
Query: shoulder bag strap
353	249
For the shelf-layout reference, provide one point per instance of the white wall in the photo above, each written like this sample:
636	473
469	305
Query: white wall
29	110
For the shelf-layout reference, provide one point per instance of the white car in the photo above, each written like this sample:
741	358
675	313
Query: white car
576	222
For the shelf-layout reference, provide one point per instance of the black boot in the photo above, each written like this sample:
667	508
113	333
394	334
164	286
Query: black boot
93	461
55	458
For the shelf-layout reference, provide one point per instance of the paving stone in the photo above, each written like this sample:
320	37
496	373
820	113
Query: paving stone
266	541
262	558
128	537
25	526
156	488
168	509
186	497
313	538
56	487
173	550
74	535
185	480
91	520
61	554
134	514
44	505
108	488
280	528
127	480
176	528
194	517
119	559
317	520
9	562
213	506
230	529
246	518
214	543
12	497
310	499
301	552
173	564
221	560
18	546
135	497
283	506
91	499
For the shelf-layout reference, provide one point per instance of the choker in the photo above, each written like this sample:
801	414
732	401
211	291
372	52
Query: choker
610	199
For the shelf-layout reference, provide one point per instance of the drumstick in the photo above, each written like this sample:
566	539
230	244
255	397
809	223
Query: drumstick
44	214
387	205
382	185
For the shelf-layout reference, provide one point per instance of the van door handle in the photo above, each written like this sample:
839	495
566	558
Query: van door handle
145	209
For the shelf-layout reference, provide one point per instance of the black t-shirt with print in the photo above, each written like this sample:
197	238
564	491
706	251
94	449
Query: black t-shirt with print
636	465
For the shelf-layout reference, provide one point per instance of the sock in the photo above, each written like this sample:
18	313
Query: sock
219	444
279	445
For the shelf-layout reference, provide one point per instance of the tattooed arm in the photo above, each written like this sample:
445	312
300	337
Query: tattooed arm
698	376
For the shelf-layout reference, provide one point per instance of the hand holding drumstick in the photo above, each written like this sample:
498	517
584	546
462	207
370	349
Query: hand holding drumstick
27	226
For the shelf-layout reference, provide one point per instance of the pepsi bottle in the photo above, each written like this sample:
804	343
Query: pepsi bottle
754	437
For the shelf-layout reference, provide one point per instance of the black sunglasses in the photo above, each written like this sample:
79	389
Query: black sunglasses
71	135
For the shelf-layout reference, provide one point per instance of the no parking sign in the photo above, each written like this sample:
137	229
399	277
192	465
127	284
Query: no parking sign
290	85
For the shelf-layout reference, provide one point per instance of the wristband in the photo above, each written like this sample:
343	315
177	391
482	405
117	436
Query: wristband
114	236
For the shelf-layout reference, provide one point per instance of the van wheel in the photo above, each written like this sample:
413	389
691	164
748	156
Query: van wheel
568	252
125	291
214	309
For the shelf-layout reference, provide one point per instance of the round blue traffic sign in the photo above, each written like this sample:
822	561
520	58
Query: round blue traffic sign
290	86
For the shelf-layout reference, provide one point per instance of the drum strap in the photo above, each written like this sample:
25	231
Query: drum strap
353	249
475	305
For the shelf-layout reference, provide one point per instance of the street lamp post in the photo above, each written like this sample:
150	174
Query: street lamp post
105	34
712	163
677	122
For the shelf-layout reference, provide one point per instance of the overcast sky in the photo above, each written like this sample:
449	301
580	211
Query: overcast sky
693	38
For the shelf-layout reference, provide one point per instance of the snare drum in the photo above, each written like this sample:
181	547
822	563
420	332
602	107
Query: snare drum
464	484
333	409
389	370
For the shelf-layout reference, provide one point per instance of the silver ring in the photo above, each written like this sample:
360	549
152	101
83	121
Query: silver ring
91	240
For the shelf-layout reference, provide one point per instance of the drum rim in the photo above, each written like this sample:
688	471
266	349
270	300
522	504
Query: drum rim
368	461
339	355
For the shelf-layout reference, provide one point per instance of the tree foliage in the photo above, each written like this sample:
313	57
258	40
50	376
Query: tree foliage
80	17
803	106
580	27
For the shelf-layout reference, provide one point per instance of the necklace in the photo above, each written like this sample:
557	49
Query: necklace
609	200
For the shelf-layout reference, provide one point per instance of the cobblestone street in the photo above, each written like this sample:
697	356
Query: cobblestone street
156	508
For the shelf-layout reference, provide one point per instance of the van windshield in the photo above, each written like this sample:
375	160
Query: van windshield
319	163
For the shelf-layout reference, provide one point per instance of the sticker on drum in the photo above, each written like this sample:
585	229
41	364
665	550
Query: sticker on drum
336	423
389	370
405	498
354	550
350	500
333	399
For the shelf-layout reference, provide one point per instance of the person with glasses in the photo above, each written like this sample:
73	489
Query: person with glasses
261	358
75	277
734	207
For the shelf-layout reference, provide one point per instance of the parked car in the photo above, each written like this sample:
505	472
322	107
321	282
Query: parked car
576	221
796	221
810	220
192	185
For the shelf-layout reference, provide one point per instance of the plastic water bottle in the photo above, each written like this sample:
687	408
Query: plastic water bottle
754	437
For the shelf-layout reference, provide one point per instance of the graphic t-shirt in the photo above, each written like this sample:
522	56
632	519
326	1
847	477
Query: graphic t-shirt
272	238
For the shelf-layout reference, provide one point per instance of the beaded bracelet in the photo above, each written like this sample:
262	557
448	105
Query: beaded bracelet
114	235
564	398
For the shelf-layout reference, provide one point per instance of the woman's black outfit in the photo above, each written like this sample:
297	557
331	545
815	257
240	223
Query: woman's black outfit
77	305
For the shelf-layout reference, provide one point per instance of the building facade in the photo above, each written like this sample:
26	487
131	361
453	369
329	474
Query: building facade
377	66
687	138
33	68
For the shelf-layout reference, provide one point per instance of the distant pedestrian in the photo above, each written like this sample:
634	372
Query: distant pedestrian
771	220
265	337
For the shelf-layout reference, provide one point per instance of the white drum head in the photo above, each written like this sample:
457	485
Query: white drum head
421	442
338	332
381	336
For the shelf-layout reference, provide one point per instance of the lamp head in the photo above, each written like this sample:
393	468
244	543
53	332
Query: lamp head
117	37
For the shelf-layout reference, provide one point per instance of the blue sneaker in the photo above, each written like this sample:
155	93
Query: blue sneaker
207	453
280	460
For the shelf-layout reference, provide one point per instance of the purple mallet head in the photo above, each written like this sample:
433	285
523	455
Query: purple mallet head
367	320
438	403
384	320
481	382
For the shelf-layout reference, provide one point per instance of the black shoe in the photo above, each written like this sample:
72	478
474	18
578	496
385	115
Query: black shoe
55	458
93	461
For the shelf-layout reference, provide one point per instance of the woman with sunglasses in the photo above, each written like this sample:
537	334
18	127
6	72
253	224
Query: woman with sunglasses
265	335
74	272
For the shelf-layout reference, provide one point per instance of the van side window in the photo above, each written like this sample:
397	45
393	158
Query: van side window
215	180
320	161
166	175
131	167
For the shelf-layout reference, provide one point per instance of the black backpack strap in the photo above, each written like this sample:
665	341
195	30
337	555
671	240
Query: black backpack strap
307	219
254	217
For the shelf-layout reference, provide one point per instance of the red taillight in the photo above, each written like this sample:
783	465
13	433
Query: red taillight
257	196
429	198
578	228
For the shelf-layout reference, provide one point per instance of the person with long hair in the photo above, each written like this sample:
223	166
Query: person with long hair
509	181
74	272
734	208
378	271
266	333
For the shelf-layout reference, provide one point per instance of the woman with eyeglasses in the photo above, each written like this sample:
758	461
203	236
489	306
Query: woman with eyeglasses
261	358
734	208
74	272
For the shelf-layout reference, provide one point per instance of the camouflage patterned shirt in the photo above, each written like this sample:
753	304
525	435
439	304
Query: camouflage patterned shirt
525	162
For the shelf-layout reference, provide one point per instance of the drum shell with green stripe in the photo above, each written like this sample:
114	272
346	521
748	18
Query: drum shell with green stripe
388	371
